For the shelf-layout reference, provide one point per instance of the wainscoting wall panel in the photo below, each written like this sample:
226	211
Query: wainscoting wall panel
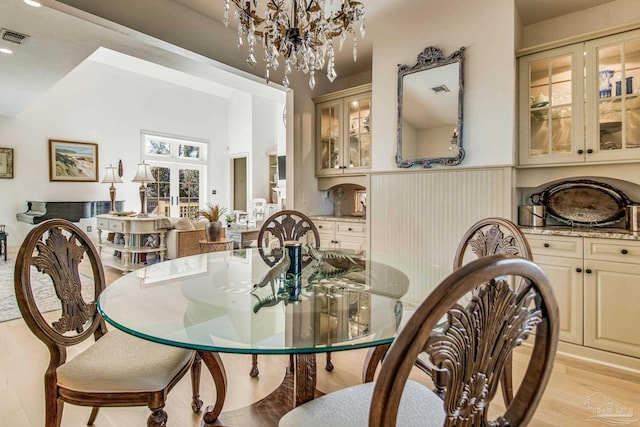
418	218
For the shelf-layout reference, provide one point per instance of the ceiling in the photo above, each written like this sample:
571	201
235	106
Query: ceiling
59	42
54	48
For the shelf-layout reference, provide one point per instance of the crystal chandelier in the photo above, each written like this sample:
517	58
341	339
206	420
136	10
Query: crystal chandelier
298	32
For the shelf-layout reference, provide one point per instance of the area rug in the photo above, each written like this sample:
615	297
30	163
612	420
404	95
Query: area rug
43	290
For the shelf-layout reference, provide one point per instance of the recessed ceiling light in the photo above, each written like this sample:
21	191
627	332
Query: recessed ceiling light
32	3
5	50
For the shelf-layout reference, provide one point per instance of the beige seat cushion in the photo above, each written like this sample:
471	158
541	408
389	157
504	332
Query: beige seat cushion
121	362
181	223
349	407
200	224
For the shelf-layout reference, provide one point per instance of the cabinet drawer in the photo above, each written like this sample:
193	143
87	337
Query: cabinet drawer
102	224
325	226
612	250
571	247
350	229
116	226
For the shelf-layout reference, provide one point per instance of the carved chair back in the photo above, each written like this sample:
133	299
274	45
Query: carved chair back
492	236
54	249
283	226
475	343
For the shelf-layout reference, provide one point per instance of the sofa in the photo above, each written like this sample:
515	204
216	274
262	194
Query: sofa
183	237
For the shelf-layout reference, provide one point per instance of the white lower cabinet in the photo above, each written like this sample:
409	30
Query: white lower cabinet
562	259
597	285
565	276
336	234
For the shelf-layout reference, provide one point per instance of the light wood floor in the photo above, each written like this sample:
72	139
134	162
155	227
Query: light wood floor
23	360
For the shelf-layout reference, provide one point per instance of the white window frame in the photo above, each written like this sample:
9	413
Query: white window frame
175	162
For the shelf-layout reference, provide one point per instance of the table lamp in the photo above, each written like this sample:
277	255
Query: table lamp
143	175
111	177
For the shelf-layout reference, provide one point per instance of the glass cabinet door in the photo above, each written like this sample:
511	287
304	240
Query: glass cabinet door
359	122
613	89
343	134
551	107
329	122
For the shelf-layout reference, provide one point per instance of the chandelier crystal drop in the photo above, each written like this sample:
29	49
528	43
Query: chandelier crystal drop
299	32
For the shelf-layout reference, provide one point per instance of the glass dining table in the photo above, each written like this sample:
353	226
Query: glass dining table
235	302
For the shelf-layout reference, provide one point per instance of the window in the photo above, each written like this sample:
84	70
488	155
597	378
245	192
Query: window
179	168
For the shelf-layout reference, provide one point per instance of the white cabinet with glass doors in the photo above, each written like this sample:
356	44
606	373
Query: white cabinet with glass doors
343	132
579	103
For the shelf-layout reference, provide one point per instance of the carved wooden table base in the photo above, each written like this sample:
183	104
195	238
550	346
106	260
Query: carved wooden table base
296	388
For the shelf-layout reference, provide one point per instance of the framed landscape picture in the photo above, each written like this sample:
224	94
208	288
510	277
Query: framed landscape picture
6	162
73	161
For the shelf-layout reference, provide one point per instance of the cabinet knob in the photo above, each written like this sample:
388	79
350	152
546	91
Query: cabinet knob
546	245
578	270
580	151
350	229
319	226
590	151
624	252
588	271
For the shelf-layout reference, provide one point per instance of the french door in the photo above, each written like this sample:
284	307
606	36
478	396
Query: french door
177	189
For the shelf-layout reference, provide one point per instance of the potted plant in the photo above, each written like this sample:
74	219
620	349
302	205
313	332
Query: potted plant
213	229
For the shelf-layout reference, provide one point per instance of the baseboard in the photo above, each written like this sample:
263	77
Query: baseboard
600	361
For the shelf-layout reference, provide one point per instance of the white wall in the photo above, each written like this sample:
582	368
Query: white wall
265	140
108	106
609	15
417	216
486	30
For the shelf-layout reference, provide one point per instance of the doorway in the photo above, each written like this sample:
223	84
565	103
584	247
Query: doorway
239	183
176	190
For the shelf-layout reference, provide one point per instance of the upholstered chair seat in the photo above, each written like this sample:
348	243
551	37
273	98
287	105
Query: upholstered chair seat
419	406
121	362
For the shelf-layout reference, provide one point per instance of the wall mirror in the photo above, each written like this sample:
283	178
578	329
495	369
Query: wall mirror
430	98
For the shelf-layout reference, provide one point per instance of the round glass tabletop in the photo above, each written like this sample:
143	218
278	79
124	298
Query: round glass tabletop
234	302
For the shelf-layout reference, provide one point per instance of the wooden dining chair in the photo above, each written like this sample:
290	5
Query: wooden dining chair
281	227
470	350
285	226
117	369
492	236
489	236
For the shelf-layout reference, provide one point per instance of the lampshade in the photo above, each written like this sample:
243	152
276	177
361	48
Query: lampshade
111	175
143	174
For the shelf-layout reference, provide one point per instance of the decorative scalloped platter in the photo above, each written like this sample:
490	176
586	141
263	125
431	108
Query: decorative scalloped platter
583	203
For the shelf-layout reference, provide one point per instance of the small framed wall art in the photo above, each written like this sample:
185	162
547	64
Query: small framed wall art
73	161
6	163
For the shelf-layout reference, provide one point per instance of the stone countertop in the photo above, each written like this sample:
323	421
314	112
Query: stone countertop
601	233
339	218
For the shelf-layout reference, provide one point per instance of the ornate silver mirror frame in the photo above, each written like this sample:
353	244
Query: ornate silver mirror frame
431	59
